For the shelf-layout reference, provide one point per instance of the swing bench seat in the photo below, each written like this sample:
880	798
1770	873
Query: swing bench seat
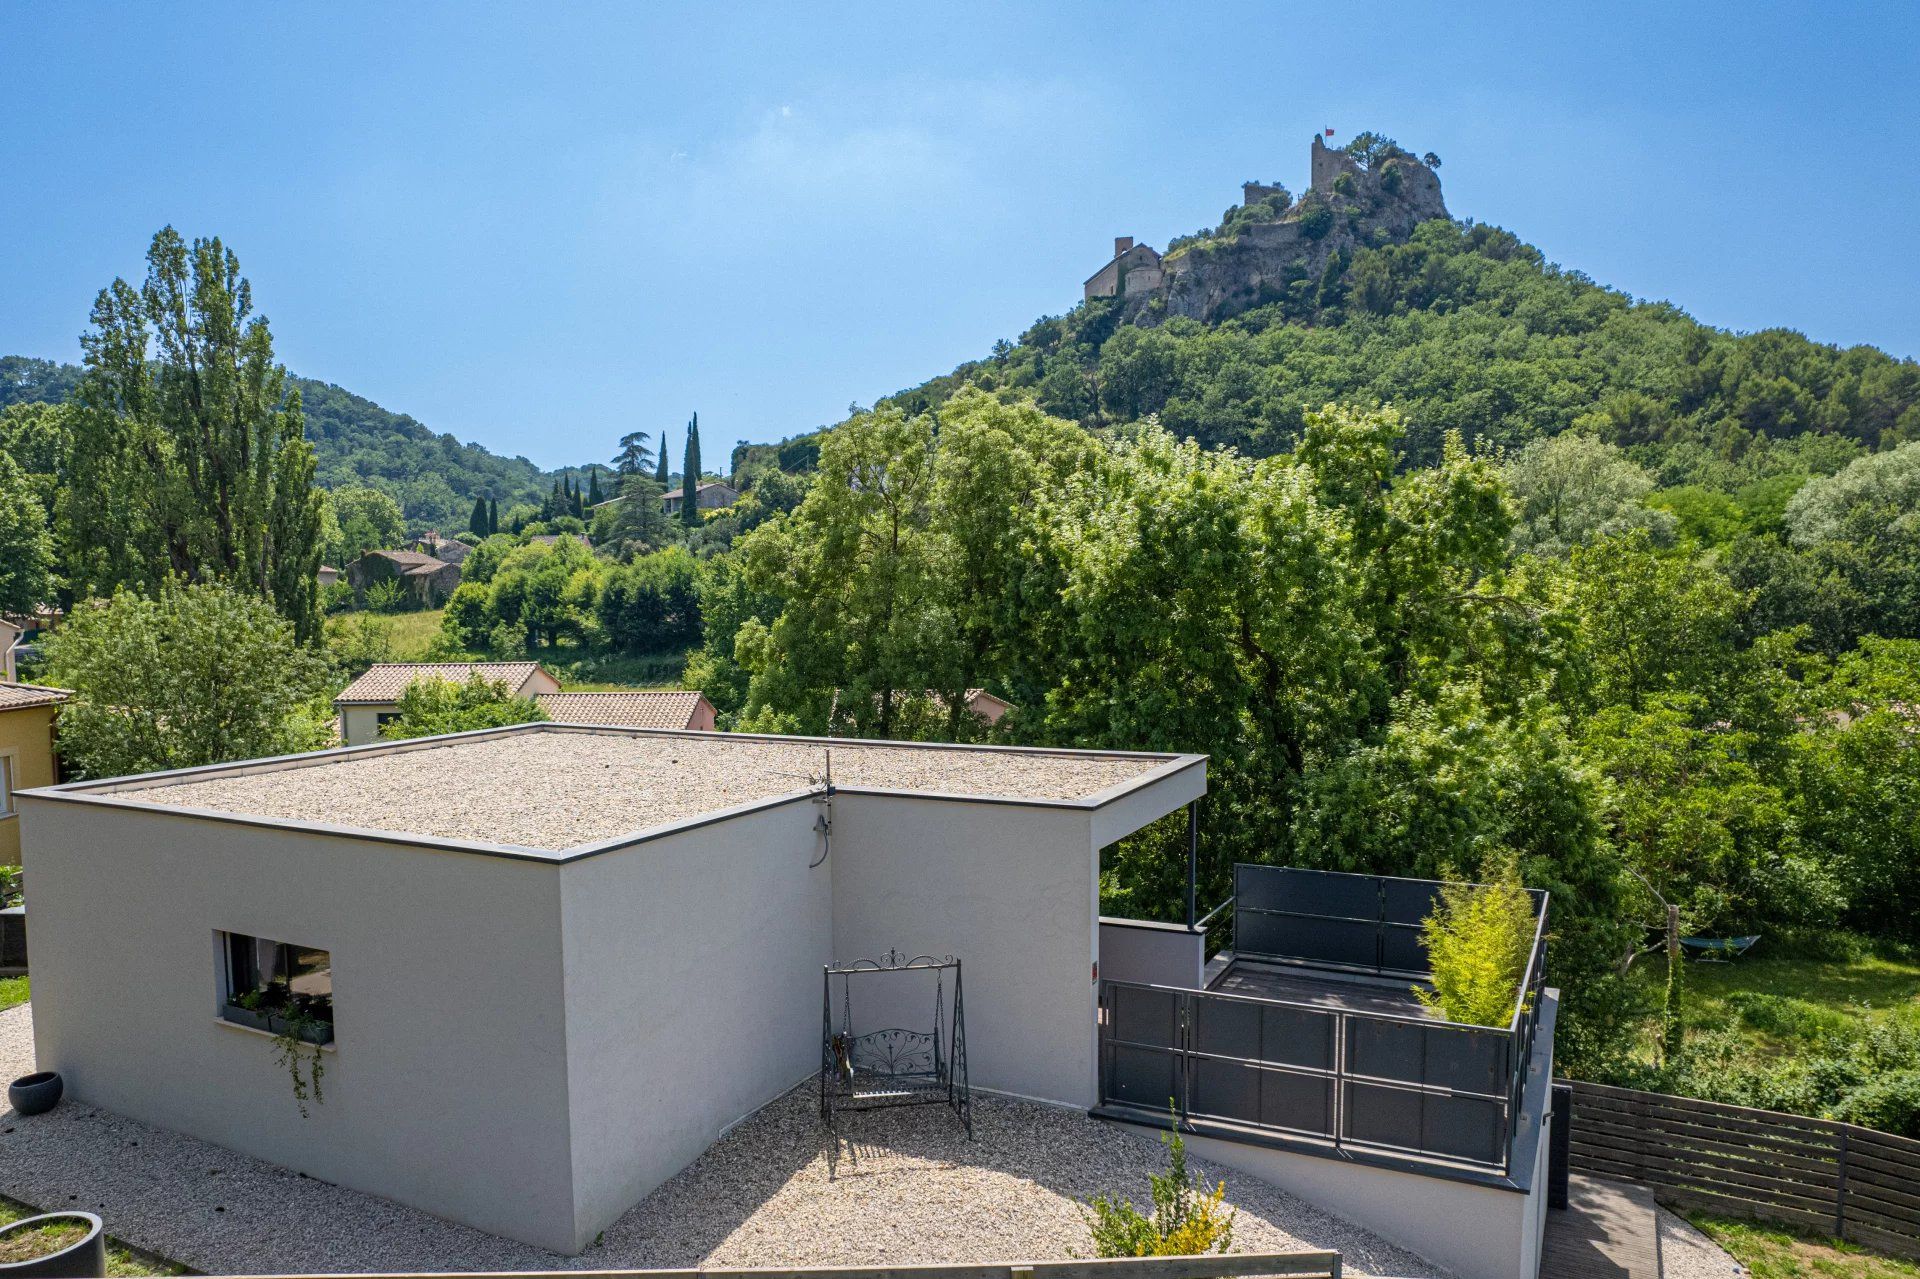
894	1066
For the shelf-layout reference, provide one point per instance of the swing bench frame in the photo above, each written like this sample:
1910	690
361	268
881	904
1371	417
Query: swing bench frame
894	1066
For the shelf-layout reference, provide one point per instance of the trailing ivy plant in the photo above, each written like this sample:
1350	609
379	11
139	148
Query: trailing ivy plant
294	1053
1188	1219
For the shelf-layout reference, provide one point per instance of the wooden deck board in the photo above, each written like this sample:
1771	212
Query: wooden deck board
1609	1230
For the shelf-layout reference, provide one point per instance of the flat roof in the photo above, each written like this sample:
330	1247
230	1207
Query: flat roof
554	788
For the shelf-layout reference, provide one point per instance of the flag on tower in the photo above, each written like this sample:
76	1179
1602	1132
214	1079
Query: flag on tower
1329	132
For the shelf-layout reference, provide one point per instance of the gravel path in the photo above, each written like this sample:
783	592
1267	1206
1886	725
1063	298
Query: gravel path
902	1186
1686	1253
583	787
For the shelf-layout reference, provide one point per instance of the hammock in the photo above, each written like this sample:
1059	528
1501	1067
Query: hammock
1718	950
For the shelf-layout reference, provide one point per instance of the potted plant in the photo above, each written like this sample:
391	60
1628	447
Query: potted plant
67	1244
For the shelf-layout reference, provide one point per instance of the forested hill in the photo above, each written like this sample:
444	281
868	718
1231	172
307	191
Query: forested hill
1463	327
435	478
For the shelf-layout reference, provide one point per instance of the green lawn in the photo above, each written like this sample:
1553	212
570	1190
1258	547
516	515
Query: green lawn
121	1261
13	991
579	670
1769	1252
1782	1002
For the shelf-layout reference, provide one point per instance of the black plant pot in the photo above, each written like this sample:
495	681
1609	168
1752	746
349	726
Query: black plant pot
86	1259
35	1094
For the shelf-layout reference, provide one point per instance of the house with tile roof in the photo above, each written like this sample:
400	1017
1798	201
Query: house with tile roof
374	699
26	753
640	708
426	579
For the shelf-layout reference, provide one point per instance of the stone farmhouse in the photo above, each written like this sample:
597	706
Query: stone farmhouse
427	579
710	495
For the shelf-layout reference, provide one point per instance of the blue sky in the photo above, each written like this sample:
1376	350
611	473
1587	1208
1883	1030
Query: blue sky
538	227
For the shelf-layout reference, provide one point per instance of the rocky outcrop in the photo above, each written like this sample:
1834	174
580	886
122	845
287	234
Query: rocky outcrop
1262	250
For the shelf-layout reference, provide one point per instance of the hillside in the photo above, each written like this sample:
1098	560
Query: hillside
1365	291
435	478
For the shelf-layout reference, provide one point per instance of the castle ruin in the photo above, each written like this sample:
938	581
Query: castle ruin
1402	193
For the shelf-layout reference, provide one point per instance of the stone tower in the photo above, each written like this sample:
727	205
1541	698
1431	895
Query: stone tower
1329	164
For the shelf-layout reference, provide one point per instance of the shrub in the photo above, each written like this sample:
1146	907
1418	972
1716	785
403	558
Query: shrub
1478	940
1188	1219
430	707
386	597
1890	1103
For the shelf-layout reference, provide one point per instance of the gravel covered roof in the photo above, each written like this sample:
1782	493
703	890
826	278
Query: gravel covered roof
556	789
385	681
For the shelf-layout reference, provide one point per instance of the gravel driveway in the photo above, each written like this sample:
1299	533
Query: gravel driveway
896	1186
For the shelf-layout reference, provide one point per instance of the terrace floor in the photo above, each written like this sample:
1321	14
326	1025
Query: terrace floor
1295	984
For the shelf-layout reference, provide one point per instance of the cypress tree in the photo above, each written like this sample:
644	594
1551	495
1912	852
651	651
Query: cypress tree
690	476
662	476
579	503
594	497
493	516
477	522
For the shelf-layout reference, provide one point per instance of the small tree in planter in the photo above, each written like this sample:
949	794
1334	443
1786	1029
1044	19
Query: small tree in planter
1478	941
1188	1219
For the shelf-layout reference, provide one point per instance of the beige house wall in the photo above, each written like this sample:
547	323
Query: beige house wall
26	743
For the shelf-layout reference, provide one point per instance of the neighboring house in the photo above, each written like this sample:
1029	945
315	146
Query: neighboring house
449	550
327	576
558	962
10	633
374	699
648	708
426	579
26	753
710	496
548	539
986	706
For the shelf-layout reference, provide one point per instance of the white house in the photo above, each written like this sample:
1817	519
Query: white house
558	960
553	962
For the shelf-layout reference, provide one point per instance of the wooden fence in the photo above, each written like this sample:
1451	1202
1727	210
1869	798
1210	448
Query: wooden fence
1292	1265
1816	1174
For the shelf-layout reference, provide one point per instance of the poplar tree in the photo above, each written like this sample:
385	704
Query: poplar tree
190	457
690	477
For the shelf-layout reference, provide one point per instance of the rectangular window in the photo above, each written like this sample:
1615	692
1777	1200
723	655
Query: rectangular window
275	985
383	718
6	785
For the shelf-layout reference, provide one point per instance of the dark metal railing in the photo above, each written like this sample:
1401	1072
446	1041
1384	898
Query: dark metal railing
1403	1084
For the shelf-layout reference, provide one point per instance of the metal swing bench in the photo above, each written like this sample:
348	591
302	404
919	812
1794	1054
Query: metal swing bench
894	1066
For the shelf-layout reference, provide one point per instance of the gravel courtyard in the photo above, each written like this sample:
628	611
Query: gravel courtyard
897	1186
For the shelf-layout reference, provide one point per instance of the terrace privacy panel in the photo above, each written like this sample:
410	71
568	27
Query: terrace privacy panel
449	1005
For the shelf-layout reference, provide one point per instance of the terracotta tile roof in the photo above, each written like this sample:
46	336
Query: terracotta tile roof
385	681
15	697
665	708
406	557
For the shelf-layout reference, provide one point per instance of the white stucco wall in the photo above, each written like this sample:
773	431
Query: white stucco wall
529	1044
693	994
449	1008
1011	890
